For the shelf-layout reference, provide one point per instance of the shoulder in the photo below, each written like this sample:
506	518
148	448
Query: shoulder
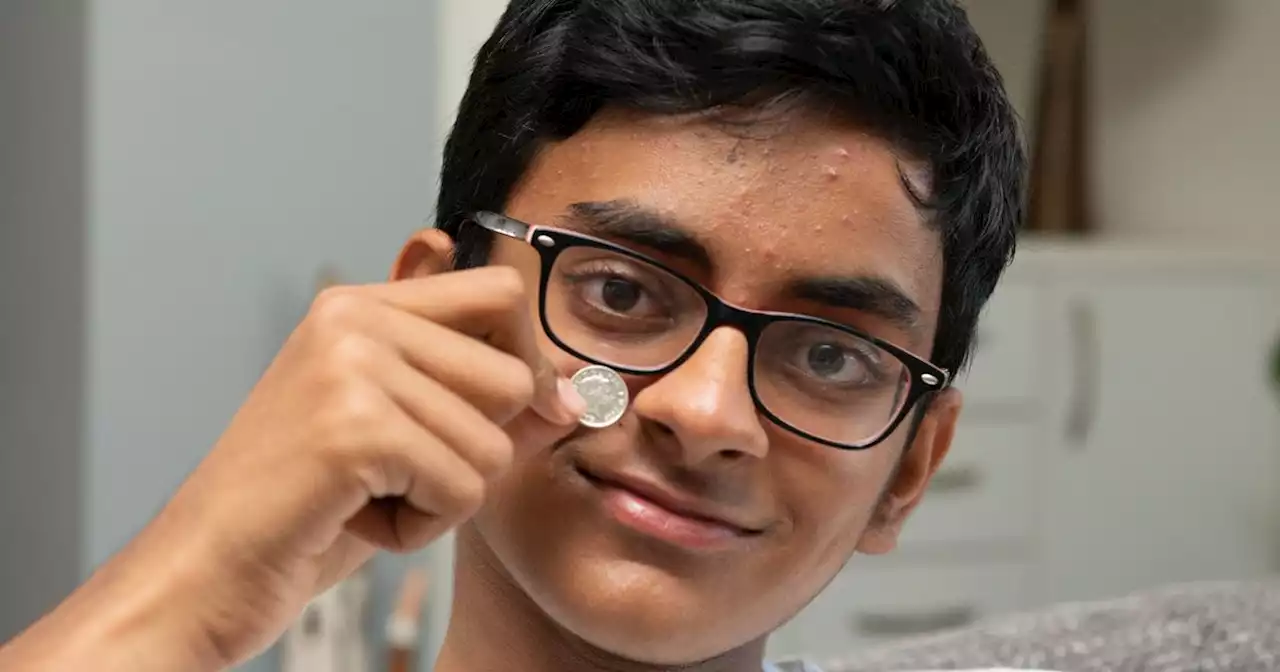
804	666
791	666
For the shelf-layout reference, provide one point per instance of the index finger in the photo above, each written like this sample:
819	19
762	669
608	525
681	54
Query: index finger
491	304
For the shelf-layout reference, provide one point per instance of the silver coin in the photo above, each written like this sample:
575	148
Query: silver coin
605	393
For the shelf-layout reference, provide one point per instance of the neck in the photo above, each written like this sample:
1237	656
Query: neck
495	625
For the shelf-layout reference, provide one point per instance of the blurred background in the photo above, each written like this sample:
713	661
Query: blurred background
176	179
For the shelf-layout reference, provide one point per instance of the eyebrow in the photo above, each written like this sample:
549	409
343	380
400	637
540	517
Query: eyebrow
871	295
628	221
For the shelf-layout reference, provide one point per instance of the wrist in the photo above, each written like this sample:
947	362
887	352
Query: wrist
153	627
123	618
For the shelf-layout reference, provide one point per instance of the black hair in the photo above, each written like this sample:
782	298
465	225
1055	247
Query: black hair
911	71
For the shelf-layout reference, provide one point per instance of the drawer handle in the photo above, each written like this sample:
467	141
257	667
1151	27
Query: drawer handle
1087	352
873	624
956	479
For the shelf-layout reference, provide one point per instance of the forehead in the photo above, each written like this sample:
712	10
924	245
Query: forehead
787	198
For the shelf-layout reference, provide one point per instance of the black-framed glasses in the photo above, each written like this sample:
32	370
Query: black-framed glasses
609	305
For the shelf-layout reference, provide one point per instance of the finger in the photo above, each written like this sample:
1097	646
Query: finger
531	434
347	554
459	425
408	467
392	525
463	377
489	303
498	384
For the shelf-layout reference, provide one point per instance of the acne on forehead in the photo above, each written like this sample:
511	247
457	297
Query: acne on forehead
835	182
796	148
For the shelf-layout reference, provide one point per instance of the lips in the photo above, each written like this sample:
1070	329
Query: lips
659	511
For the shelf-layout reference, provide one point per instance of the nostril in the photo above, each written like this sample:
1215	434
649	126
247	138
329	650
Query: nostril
662	429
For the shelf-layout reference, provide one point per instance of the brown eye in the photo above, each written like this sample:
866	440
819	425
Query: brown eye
620	295
826	360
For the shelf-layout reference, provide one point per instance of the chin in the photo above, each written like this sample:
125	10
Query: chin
642	613
619	599
620	590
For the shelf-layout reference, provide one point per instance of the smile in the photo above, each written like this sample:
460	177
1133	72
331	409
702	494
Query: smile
660	514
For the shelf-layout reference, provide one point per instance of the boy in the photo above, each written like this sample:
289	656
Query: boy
776	220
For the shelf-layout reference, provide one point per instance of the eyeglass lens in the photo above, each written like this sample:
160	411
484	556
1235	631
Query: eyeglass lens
631	314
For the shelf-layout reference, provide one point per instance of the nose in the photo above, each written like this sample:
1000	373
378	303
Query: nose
706	403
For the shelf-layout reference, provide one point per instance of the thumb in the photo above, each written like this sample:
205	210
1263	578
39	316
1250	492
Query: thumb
536	429
554	397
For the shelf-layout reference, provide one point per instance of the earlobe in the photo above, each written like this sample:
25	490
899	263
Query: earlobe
908	483
427	252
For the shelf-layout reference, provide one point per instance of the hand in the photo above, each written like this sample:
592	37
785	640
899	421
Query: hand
380	424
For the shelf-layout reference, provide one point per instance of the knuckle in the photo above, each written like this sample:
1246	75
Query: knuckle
467	492
336	305
352	418
371	476
358	404
507	286
352	352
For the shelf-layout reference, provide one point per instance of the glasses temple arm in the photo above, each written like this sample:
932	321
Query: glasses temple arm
502	224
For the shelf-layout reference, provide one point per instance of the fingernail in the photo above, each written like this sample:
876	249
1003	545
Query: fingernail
573	402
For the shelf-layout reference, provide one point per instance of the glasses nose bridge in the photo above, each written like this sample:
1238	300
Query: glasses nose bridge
723	314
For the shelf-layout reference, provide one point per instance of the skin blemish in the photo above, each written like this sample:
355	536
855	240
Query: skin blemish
734	154
830	173
842	153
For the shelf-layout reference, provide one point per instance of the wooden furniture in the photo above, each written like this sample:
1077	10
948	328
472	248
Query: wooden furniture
1119	434
1061	168
404	628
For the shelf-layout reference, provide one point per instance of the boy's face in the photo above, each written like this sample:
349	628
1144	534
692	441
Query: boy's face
808	199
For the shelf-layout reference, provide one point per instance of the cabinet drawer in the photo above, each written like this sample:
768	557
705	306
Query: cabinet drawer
984	490
1003	369
866	605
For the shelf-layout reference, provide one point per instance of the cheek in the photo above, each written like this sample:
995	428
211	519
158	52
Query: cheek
832	495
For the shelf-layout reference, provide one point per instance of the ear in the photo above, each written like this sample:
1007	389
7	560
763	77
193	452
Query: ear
907	485
427	252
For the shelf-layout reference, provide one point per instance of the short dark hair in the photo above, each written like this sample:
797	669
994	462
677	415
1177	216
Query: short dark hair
911	71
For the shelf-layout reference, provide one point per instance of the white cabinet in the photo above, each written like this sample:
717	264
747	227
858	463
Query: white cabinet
1119	433
981	494
1169	455
1007	350
874	600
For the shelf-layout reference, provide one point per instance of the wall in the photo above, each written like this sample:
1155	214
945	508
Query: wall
237	147
1185	105
41	305
172	179
1189	101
